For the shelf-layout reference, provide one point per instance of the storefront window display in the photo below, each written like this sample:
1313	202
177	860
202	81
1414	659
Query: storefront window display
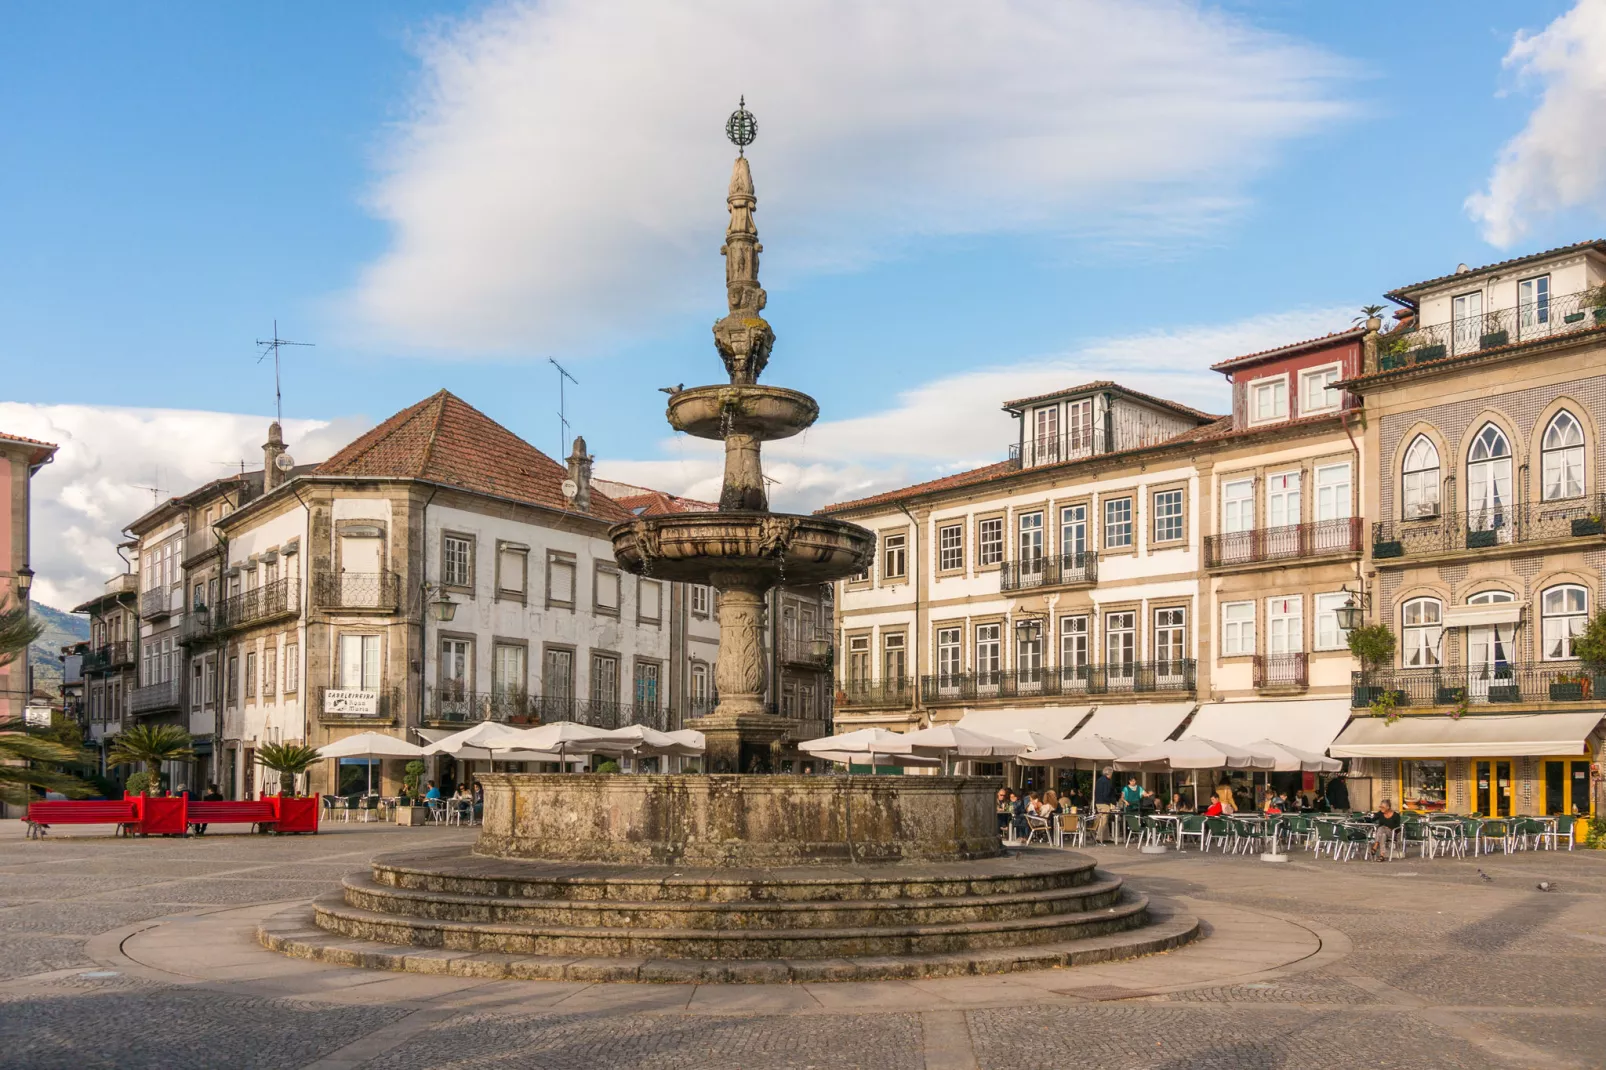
1422	785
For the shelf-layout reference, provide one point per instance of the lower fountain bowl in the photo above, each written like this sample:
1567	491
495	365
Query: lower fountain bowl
773	547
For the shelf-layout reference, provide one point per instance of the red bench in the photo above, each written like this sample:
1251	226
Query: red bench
41	815
223	812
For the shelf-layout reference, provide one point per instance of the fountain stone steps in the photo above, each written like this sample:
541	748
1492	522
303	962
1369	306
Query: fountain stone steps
761	915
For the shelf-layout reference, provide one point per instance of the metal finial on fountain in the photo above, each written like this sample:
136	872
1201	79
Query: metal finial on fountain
741	127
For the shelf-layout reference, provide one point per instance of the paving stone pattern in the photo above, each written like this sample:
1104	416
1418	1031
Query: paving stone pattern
1424	965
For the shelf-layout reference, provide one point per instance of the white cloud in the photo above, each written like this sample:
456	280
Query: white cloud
84	498
1558	161
956	423
561	178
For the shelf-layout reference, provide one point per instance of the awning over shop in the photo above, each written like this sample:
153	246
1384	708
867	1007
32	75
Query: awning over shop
1487	613
1142	723
1473	736
1305	724
1055	722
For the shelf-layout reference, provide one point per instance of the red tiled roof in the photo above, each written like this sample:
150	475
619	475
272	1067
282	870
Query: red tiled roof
444	439
1292	347
43	453
1107	384
958	479
1396	294
644	501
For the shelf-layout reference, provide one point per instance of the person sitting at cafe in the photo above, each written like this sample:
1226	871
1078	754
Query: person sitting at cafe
1178	804
1274	803
1017	815
433	792
1051	803
1223	802
1388	822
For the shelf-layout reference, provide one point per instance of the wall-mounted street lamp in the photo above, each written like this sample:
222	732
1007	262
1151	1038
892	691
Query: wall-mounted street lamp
1029	626
1352	614
445	608
24	582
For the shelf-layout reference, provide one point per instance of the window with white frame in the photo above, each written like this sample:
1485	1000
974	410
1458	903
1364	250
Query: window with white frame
557	676
1285	625
699	686
1317	393
894	656
270	671
250	674
1533	302
1562	458
512	567
560	579
1237	628
1419	480
1329	636
457	561
1118	523
509	670
989	651
1466	321
951	547
292	668
1422	633
456	668
1564	612
1120	643
1168	526
1031	540
1073	531
1333	497
990	541
649	600
859	660
604	678
1282	499
1268	399
605	584
1074	648
949	654
1028	653
699	599
1238	505
894	557
1170	635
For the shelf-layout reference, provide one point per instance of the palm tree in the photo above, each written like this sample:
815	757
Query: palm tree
27	760
287	759
151	745
1370	312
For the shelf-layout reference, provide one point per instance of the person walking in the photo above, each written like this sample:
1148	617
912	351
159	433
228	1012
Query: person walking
1103	806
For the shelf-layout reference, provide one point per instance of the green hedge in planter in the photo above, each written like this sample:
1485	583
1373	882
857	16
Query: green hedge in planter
1600	316
1494	338
1449	696
1568	691
1480	539
1427	353
1588	525
1393	548
1505	693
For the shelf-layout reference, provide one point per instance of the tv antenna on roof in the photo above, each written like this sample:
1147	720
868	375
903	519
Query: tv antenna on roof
155	488
274	346
563	419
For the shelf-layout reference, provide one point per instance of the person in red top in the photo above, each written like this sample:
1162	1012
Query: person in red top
1215	809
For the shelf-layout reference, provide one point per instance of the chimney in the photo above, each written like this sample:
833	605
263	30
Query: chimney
272	450
580	477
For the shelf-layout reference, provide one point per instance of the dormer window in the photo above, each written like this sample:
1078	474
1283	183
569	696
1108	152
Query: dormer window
1268	399
1317	394
1533	301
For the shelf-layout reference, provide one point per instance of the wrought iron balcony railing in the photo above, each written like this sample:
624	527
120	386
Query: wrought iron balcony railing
1560	315
156	603
1282	671
1478	685
449	705
1317	539
356	591
109	656
699	706
1064	570
892	691
1063	446
258	604
1122	677
811	651
1500	525
151	698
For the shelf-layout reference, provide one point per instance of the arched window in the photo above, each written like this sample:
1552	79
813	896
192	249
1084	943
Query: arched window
1420	480
1488	480
1563	611
1423	621
1489	646
1562	454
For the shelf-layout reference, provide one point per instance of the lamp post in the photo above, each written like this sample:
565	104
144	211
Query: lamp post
1352	613
24	582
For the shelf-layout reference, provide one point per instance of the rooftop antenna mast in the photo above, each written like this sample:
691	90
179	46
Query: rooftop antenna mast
274	346
563	419
155	488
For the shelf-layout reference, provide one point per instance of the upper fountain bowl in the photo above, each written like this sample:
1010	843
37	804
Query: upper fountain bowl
693	547
764	412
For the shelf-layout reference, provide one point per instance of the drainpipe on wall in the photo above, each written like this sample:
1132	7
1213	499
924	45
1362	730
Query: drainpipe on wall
423	613
914	651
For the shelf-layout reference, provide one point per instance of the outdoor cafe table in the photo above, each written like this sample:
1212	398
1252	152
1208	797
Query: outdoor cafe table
1175	820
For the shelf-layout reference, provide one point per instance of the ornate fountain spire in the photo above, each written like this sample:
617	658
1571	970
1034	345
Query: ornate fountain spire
744	337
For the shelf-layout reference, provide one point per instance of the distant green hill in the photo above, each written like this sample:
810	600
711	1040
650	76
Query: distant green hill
61	629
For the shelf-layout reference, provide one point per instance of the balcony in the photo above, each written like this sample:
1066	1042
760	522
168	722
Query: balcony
154	698
356	591
109	656
701	706
1292	541
1134	677
806	652
156	603
1482	529
456	706
1557	317
1478	685
896	691
1066	570
341	705
256	605
1054	449
1282	672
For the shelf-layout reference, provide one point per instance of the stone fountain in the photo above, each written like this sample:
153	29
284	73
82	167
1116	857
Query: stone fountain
725	876
742	550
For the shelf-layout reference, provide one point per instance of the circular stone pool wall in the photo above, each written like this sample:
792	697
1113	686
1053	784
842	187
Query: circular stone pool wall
736	820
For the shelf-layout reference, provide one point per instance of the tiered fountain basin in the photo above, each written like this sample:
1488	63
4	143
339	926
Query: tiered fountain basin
779	547
764	412
729	879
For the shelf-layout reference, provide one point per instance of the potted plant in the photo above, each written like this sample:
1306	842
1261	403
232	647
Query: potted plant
1589	647
1383	548
1588	525
411	809
150	745
1450	694
1433	352
1482	538
1571	687
1373	645
1595	298
289	760
1504	687
1494	338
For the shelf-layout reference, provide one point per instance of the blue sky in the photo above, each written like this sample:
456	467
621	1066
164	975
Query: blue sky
446	195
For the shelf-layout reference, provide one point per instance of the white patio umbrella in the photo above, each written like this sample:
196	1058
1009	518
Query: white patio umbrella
651	743
473	745
1091	749
370	745
950	741
1195	752
864	743
1293	760
562	737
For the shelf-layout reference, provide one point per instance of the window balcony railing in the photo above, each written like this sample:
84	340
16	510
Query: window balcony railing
1120	678
1317	539
1065	570
891	691
1560	315
356	591
109	656
358	704
1478	685
701	705
152	698
1063	446
811	652
156	603
1480	529
448	705
1274	671
250	607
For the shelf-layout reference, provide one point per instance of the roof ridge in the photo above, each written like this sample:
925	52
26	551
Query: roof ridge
440	398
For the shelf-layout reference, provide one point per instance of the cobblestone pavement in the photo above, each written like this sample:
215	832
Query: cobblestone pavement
1422	964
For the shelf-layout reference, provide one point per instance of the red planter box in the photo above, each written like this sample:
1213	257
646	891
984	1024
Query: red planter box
296	813
159	816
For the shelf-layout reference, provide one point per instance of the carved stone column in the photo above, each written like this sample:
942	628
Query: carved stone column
739	673
744	478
